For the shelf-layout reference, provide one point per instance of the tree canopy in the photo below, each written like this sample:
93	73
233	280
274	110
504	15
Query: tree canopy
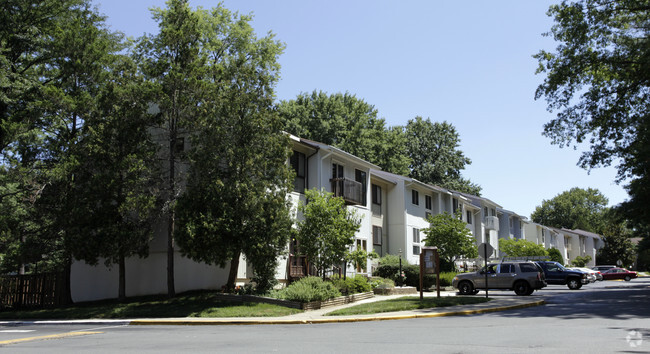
213	80
348	123
521	248
597	79
452	237
327	229
435	158
574	209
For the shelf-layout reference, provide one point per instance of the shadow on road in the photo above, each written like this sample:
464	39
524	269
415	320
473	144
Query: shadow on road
615	302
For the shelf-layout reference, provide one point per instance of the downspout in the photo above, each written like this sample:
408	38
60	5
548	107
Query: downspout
307	168
320	166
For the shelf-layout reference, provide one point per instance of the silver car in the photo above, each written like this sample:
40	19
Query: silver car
592	275
522	277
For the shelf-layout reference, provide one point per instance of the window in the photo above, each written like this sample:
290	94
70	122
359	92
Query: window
426	215
298	164
485	211
360	176
376	235
469	217
454	205
511	223
416	235
427	202
507	268
528	268
376	194
415	197
416	250
493	212
337	170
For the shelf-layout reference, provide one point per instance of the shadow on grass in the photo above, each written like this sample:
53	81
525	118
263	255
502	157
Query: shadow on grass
192	304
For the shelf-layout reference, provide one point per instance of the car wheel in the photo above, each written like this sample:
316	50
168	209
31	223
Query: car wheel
627	278
466	288
522	288
574	284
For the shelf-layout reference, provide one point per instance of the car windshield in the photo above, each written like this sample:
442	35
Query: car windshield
555	267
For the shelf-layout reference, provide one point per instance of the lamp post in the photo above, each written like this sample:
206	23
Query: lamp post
401	280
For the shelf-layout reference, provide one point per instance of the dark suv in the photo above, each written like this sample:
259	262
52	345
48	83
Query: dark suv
556	274
522	277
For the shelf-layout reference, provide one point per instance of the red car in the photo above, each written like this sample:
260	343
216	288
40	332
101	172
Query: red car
619	273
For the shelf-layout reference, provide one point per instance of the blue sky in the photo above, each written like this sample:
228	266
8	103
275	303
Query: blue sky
468	63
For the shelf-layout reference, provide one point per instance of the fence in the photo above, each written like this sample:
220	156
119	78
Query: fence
30	291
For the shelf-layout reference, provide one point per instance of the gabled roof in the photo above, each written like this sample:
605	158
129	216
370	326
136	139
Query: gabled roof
388	176
477	200
512	213
583	233
335	150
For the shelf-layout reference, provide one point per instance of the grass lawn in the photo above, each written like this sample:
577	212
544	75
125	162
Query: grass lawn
405	304
194	304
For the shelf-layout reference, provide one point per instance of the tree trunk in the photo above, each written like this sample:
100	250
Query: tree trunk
122	282
171	291
232	276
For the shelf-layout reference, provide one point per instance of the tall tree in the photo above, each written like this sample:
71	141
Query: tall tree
115	189
452	237
598	80
327	229
80	52
217	92
348	123
616	235
173	61
574	209
435	158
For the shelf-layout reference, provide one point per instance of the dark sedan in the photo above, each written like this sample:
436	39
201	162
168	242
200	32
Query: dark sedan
619	273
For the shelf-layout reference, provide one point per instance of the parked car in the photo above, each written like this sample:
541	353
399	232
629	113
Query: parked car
522	277
556	274
591	274
619	273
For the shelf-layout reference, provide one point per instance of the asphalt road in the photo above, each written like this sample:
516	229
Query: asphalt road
604	317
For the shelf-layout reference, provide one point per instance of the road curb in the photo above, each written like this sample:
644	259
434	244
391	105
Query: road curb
215	322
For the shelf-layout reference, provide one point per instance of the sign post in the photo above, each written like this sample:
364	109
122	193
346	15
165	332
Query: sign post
485	250
429	264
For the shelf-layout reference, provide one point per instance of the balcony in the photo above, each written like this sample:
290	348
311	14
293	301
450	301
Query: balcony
492	223
351	191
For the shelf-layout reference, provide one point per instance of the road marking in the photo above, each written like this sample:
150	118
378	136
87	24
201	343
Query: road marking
51	336
17	330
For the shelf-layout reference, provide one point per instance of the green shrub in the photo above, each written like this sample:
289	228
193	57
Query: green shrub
581	261
381	283
412	273
309	289
391	260
351	285
446	278
555	255
388	271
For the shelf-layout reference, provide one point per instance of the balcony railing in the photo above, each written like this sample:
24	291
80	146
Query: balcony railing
492	223
351	191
